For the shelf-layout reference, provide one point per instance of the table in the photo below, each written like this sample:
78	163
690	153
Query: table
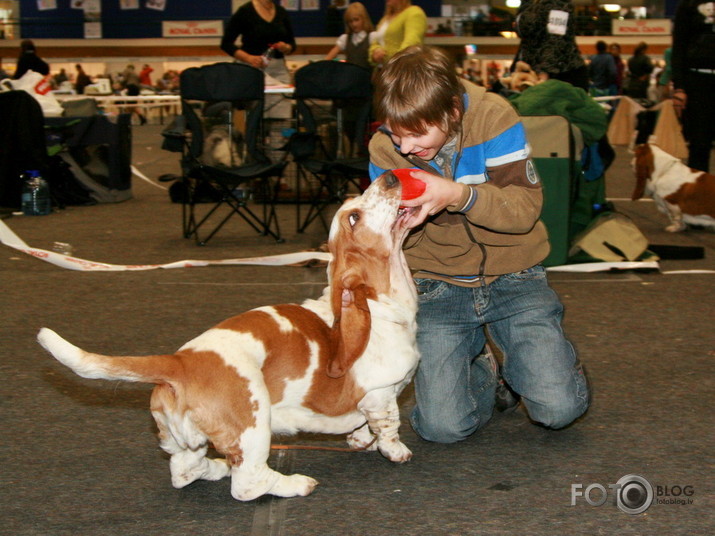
168	103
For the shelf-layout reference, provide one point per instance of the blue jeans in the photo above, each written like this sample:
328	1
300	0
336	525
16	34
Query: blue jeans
455	390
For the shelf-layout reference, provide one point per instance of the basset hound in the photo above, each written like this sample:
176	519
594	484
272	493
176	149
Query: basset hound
686	195
335	364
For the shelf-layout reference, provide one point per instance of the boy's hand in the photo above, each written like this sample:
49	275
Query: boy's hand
439	193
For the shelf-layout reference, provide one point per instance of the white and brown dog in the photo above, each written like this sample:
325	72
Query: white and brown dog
686	195
331	365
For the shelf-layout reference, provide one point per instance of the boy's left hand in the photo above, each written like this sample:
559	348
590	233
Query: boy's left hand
439	193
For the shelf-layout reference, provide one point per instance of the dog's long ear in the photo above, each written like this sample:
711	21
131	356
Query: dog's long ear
351	327
644	169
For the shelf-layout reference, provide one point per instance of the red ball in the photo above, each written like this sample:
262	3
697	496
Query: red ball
411	187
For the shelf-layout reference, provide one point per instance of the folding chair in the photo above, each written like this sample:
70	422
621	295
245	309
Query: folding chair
209	97
330	95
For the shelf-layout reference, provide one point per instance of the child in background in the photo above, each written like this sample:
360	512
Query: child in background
355	43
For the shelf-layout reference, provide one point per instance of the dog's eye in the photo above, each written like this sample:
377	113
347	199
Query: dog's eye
353	218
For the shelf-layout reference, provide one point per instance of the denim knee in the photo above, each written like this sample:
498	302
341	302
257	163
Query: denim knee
561	417
441	430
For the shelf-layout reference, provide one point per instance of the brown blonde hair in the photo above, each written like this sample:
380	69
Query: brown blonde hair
356	8
419	87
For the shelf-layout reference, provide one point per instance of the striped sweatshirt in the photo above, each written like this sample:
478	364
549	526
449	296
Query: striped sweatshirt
494	229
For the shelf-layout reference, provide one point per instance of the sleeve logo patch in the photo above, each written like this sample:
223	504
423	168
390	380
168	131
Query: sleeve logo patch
531	174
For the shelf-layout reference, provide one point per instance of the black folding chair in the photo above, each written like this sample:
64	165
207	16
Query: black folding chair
209	97
333	101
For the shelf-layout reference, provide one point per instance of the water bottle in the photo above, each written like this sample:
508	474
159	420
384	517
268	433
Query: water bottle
35	195
268	55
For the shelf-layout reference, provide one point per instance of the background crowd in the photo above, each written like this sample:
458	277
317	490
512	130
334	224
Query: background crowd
548	50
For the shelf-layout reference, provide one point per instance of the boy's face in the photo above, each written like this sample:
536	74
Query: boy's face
424	146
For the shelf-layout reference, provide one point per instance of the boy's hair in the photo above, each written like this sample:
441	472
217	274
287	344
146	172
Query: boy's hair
356	8
419	87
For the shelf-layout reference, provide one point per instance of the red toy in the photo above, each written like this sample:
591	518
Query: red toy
411	187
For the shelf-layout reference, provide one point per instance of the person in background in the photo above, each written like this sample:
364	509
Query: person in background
548	41
693	68
355	42
266	39
615	50
266	35
665	76
401	26
3	74
602	71
475	249
145	75
130	81
132	85
640	68
28	60
60	78
81	80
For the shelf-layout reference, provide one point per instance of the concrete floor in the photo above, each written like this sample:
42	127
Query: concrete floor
81	457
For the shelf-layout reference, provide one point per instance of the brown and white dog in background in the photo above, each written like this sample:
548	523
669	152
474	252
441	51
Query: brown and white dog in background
686	195
332	365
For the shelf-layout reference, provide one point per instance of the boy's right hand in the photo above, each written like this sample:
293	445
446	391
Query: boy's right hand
439	194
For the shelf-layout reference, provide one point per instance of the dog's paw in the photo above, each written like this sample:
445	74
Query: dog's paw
395	451
676	227
294	485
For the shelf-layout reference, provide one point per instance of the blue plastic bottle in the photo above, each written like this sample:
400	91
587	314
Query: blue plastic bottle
35	195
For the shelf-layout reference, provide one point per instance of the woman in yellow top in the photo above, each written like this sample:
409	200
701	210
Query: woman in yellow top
403	25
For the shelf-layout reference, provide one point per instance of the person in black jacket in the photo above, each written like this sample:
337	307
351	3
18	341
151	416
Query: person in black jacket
640	67
693	76
28	60
266	38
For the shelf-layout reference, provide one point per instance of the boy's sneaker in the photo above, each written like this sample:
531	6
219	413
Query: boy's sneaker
505	400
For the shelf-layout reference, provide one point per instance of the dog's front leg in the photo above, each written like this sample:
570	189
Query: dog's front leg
383	418
676	218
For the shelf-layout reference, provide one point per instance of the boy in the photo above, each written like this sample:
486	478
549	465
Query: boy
474	250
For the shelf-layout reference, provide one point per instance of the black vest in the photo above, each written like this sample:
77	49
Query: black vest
357	54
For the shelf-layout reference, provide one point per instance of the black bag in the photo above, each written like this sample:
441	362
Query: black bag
64	186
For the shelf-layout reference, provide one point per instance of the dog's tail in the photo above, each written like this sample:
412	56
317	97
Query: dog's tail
146	369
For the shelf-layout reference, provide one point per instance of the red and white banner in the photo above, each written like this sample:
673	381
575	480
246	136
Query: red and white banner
642	27
192	28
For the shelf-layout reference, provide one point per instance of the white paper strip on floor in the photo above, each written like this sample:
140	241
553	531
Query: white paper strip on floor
143	177
587	267
10	239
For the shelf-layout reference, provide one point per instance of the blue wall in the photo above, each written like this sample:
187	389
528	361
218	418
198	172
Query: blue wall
68	23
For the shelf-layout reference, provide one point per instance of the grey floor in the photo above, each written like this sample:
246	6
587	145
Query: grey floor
81	456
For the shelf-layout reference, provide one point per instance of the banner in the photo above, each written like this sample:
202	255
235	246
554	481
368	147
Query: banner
192	28
643	27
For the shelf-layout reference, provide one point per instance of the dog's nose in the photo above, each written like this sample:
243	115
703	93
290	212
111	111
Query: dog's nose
391	180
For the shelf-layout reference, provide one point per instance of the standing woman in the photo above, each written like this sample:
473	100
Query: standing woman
548	41
640	68
266	38
402	26
615	50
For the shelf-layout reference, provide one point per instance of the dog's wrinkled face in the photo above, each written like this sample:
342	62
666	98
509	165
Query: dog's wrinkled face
365	240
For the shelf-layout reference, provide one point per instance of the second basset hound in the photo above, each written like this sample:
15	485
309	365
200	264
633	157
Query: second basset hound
332	365
686	195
